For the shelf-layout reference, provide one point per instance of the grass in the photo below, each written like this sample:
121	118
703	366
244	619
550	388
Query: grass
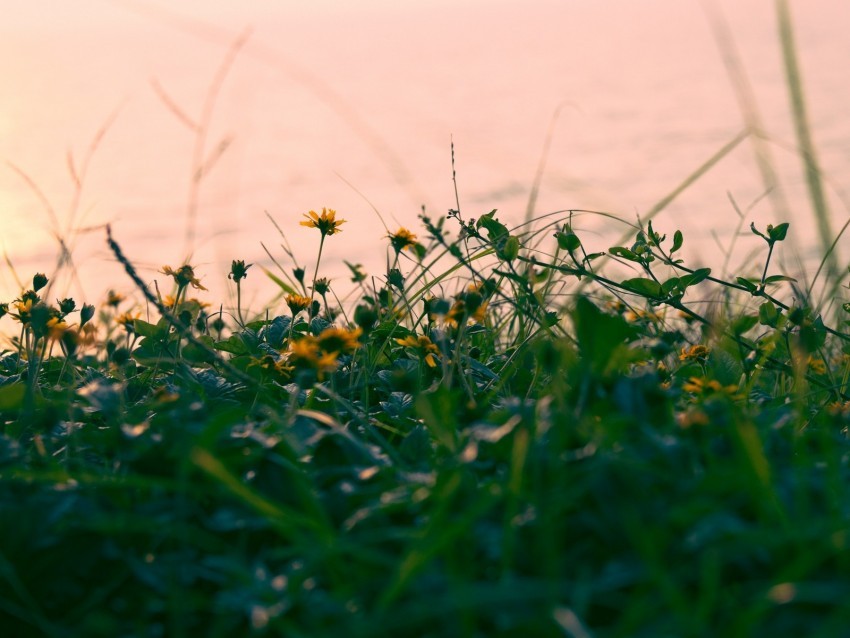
495	438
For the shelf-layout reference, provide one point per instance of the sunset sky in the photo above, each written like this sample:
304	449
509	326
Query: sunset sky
355	106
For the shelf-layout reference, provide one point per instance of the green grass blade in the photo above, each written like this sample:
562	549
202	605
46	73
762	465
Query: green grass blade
804	138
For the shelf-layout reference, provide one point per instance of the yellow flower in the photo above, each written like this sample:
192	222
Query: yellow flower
639	314
184	276
326	222
339	340
696	353
306	354
126	319
816	365
56	327
423	345
470	304
402	239
114	298
297	303
692	417
700	386
24	311
278	367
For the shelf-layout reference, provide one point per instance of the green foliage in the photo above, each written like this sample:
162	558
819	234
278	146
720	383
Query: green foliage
516	443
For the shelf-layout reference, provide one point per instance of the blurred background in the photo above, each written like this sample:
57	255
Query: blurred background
183	125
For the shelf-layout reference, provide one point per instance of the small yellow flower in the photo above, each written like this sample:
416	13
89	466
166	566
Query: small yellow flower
56	327
24	311
694	353
114	298
326	222
402	239
692	417
423	345
710	387
277	367
816	365
339	340
306	354
126	319
638	314
297	303
183	276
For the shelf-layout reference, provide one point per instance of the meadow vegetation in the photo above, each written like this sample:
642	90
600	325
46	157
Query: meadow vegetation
506	433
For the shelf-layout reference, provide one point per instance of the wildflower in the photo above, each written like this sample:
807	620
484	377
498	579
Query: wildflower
816	365
238	270
86	313
297	303
707	387
339	340
24	311
839	409
39	281
126	319
183	276
697	353
277	367
692	417
423	345
113	298
306	354
638	314
322	286
395	278
470	304
402	239
67	305
326	222
56	327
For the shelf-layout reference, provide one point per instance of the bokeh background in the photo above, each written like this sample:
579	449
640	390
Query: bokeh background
109	107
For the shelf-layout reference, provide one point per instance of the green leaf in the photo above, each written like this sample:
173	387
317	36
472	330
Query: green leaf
670	285
744	323
696	277
233	344
746	283
495	229
678	239
773	279
12	396
777	233
153	331
280	282
510	250
769	314
439	410
602	338
645	287
625	253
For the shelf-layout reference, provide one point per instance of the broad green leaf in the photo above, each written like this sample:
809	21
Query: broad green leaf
645	287
768	314
746	283
678	239
625	253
